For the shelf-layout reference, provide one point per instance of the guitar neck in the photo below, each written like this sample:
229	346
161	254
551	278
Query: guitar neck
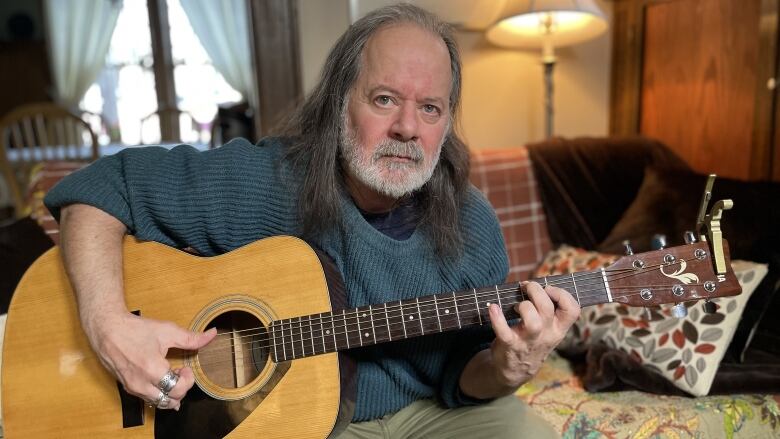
316	334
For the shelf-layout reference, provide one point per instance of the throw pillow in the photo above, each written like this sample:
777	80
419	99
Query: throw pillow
686	351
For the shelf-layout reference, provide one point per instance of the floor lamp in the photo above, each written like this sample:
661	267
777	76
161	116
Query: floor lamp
547	24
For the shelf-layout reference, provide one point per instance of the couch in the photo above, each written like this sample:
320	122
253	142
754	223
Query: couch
568	205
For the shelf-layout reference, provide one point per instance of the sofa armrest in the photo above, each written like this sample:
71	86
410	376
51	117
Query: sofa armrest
506	178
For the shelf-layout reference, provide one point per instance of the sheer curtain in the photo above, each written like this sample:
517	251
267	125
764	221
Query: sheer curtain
223	29
79	36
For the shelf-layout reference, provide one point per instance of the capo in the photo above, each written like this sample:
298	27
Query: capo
708	225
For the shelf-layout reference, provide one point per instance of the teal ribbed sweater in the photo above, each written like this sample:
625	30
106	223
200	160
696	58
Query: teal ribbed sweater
221	199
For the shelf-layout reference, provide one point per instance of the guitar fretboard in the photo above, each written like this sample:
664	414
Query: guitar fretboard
316	334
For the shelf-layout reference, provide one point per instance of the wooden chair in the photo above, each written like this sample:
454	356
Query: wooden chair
36	133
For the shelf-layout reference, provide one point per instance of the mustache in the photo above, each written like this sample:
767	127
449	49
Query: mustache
389	147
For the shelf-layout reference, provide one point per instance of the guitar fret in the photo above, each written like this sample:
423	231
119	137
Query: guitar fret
284	348
322	335
273	337
389	331
476	303
333	332
574	283
419	316
346	328
498	296
457	313
438	317
300	330
292	340
311	337
357	320
403	319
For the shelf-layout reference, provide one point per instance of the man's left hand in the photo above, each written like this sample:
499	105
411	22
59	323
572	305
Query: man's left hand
518	351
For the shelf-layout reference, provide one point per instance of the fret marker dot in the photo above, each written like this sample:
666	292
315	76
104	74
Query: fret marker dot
327	331
411	317
446	311
364	314
488	305
366	335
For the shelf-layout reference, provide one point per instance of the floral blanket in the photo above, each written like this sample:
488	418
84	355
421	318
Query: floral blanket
558	395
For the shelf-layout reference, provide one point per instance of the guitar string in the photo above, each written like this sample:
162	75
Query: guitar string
342	320
424	306
394	322
301	330
613	275
293	355
466	295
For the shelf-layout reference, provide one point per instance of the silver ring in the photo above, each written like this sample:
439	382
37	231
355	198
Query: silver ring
162	400
168	381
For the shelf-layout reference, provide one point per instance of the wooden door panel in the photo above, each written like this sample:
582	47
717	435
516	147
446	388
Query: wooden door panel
699	81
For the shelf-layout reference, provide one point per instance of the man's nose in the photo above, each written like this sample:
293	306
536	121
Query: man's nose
405	126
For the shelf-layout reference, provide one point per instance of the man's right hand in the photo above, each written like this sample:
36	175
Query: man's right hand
133	349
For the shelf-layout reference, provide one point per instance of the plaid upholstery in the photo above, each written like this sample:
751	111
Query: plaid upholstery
506	178
42	178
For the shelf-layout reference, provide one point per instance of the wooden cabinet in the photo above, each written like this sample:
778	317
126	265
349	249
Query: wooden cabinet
698	75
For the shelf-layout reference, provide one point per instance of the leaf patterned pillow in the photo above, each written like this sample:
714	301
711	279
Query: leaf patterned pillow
687	351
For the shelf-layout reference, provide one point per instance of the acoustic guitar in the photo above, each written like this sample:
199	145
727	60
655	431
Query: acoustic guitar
278	367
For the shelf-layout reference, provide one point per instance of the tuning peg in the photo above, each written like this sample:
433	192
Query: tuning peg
627	245
679	311
658	242
709	307
690	237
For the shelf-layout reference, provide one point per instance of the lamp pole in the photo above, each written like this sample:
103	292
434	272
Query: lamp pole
547	24
549	66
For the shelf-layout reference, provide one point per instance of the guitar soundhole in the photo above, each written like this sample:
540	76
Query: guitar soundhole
238	353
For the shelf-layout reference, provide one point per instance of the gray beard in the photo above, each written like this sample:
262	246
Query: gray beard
393	179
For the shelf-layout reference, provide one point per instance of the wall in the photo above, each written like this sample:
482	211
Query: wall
503	93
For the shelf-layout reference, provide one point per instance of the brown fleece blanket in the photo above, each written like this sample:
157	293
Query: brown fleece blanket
587	183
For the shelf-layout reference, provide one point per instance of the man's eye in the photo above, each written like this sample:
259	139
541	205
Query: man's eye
383	100
431	109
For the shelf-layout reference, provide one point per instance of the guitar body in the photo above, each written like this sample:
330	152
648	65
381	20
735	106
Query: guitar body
53	385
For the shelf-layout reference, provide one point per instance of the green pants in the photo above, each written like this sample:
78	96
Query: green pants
506	417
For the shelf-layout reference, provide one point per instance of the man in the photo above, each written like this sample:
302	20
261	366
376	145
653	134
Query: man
374	175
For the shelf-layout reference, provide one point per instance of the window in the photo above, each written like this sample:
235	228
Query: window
122	103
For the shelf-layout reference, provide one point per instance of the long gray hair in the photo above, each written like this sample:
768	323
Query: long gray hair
316	127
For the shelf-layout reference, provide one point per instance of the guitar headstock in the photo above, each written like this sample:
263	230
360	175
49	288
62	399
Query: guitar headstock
671	275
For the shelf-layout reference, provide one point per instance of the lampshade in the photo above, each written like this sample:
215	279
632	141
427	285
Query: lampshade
536	23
